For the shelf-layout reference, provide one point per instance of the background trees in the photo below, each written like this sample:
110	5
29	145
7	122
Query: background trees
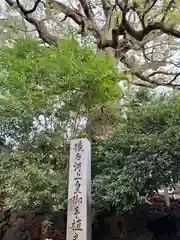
141	157
141	35
49	95
53	88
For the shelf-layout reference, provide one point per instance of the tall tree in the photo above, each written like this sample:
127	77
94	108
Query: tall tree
141	34
45	94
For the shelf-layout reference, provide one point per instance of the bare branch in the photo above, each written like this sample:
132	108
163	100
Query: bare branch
119	37
139	35
24	11
106	7
175	77
164	73
146	81
64	19
138	11
149	8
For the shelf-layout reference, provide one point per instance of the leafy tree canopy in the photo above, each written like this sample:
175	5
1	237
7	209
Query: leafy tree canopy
45	93
141	157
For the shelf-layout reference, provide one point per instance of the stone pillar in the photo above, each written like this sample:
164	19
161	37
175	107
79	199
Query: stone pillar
79	191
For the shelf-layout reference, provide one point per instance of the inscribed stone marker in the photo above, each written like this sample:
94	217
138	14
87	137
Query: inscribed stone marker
79	192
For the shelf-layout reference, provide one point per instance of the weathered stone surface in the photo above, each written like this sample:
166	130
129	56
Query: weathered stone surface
79	190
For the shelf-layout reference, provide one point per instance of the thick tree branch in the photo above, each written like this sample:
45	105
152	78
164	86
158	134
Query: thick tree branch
43	31
87	9
71	13
139	35
86	22
39	25
90	22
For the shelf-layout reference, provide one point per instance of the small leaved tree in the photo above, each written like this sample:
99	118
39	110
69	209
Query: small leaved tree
141	157
45	94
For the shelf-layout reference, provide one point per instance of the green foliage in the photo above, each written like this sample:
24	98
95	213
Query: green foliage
54	81
43	91
141	157
28	182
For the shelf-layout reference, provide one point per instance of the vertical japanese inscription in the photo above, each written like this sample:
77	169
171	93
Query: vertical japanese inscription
77	221
78	195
